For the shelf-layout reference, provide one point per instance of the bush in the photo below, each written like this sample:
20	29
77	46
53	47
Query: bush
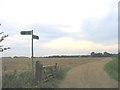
26	80
60	73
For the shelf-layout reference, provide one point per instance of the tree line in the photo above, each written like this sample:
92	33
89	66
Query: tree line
105	54
92	54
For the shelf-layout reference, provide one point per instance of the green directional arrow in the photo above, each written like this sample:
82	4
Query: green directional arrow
26	33
35	37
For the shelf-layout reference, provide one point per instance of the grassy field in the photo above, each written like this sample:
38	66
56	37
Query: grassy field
112	68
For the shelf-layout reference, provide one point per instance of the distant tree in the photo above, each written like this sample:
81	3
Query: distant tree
99	54
92	53
1	39
15	57
106	54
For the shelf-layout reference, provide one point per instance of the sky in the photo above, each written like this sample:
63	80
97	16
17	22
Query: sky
65	27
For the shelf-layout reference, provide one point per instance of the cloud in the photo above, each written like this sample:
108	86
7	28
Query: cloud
71	44
47	32
10	28
17	40
19	44
64	26
65	12
103	30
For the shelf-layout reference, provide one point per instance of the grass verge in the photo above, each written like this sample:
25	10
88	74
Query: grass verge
25	80
112	68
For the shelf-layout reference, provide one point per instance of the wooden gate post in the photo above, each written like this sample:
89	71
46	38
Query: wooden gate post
55	66
37	70
41	71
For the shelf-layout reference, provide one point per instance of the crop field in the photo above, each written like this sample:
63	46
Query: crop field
9	65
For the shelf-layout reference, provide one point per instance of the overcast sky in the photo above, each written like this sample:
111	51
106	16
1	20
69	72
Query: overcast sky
69	27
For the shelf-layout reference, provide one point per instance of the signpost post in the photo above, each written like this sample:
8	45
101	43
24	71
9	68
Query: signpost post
32	54
33	37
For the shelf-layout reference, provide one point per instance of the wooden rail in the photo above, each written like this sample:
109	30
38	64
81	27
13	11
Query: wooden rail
45	73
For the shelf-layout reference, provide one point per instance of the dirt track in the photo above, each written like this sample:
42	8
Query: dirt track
90	75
